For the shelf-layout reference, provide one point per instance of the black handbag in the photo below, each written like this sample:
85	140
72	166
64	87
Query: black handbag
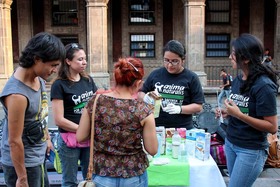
33	133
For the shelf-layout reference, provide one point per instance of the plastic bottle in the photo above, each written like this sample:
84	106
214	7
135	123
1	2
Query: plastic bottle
168	146
176	141
182	156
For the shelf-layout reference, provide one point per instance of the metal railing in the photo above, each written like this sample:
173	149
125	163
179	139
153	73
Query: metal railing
213	74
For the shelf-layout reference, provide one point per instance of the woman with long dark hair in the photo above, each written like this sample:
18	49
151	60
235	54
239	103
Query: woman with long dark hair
252	111
69	94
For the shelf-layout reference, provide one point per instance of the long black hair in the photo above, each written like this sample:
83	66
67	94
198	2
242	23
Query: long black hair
249	47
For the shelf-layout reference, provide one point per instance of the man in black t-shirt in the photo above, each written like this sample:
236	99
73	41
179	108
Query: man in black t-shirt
225	87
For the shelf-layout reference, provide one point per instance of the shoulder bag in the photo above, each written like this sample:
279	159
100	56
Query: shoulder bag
273	158
217	150
88	182
70	139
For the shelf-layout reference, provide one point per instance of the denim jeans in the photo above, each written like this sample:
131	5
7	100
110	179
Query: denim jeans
34	176
137	181
69	158
224	93
244	165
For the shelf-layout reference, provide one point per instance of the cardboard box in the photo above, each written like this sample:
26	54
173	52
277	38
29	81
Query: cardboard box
190	142
202	147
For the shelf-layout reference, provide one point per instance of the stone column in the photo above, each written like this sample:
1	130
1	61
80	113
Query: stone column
277	35
6	50
194	37
97	42
24	23
257	18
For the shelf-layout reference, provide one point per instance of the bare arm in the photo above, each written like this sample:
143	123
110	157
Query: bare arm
60	121
16	105
268	124
49	142
149	135
84	129
191	108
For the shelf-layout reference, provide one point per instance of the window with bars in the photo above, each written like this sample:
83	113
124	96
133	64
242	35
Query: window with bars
217	45
66	39
142	45
64	13
141	12
218	11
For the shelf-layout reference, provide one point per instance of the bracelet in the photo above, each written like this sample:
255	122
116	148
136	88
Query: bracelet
180	109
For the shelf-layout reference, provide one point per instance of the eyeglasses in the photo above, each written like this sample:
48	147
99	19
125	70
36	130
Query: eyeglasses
174	62
135	68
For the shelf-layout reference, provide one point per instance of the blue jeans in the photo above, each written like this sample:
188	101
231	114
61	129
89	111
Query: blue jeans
34	176
138	181
224	93
244	165
69	158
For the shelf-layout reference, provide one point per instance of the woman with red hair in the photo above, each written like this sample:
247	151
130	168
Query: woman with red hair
121	123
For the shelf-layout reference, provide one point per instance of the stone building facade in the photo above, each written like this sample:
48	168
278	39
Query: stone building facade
109	29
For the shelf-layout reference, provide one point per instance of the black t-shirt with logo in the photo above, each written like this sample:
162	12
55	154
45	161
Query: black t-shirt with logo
259	102
75	96
180	89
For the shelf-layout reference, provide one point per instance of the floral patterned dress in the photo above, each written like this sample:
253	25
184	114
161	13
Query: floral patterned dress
118	150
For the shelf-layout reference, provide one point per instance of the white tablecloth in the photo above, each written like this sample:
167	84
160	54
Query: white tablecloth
205	173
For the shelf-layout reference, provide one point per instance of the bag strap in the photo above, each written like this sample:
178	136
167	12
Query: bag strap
90	165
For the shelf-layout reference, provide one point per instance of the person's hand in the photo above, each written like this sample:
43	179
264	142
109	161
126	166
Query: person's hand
22	182
172	109
147	99
219	112
232	109
49	146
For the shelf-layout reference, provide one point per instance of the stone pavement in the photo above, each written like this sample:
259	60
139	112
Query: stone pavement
270	177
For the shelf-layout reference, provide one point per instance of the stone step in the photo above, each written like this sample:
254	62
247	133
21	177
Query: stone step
270	177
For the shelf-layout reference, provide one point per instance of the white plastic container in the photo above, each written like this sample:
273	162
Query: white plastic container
168	146
161	130
175	149
182	156
176	141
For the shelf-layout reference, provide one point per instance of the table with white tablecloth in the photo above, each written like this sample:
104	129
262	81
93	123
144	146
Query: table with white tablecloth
205	173
194	173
